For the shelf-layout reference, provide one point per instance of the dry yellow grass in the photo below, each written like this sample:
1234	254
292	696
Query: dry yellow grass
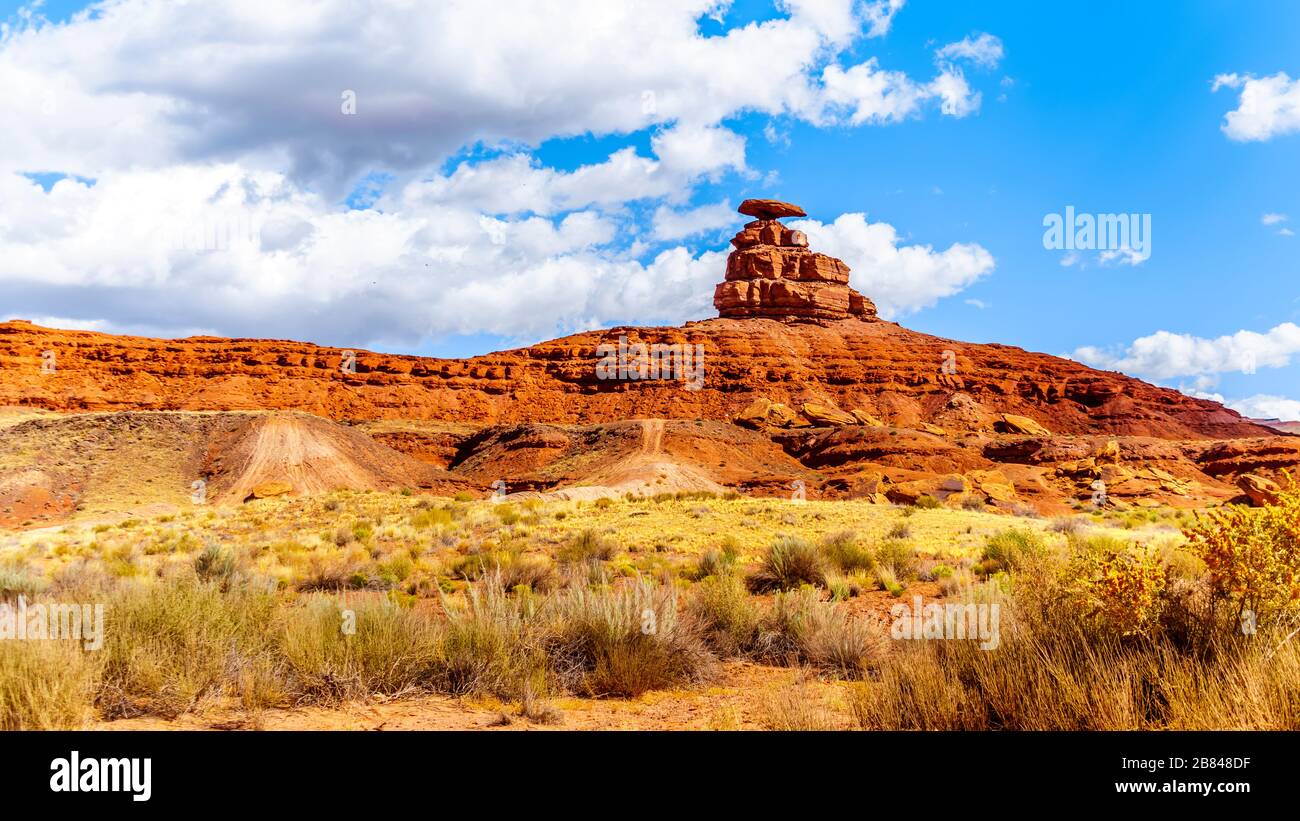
541	605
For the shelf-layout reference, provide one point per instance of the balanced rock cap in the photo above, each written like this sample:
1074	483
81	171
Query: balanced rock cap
770	209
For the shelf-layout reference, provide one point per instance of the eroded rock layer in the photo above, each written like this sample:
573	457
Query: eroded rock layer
879	369
772	273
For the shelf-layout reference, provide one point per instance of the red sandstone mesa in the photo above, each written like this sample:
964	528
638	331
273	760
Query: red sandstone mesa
801	381
792	331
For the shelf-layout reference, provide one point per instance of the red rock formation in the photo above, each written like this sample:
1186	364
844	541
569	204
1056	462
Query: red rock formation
772	273
878	368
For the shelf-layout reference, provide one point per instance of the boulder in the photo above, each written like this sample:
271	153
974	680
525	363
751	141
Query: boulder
1107	453
826	416
782	416
994	484
1011	423
267	490
865	418
754	414
1259	490
770	209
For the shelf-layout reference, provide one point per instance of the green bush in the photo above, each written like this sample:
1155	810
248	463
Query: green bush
791	561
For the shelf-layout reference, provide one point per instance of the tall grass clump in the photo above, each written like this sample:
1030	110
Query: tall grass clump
727	616
1011	549
335	649
46	685
790	562
490	642
622	642
802	629
847	553
169	645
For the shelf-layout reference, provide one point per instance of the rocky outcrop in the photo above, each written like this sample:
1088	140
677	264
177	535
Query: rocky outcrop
772	273
887	372
1259	490
1011	423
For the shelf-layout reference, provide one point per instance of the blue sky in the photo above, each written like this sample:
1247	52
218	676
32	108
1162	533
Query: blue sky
1110	108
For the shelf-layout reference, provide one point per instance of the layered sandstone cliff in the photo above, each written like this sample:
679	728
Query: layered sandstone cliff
773	273
879	368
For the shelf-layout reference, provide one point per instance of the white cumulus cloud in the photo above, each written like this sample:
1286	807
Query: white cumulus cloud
1266	406
983	50
899	278
1267	107
669	224
1165	355
207	148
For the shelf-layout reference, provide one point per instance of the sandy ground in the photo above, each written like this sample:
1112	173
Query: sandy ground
735	700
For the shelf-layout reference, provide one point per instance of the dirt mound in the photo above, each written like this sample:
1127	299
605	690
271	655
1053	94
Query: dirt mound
899	376
310	455
640	456
107	466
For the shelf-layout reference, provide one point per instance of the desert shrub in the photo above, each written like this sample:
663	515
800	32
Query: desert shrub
397	567
1011	549
801	629
791	561
622	642
716	561
727	616
954	582
603	502
1252	556
1069	525
899	557
1053	671
216	564
487	644
846	552
508	514
330	572
587	546
362	530
927	502
46	685
83	580
15	582
1121	587
463	496
534	573
477	563
973	502
168	645
431	517
842	587
336	650
887	578
899	530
